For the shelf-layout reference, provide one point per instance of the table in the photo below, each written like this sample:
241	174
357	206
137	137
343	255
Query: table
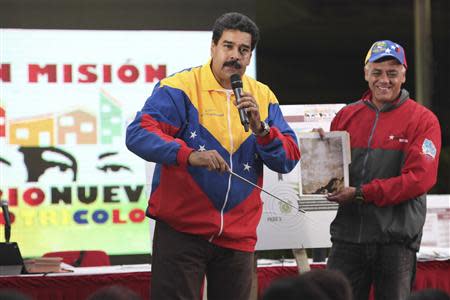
79	285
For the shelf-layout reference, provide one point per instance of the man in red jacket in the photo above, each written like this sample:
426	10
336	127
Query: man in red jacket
395	145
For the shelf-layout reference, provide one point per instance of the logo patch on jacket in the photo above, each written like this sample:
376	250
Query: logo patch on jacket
428	148
398	138
211	112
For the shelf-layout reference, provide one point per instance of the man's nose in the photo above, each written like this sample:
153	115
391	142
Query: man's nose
235	55
384	77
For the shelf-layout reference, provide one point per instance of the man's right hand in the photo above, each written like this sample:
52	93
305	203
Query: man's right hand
343	196
210	159
320	131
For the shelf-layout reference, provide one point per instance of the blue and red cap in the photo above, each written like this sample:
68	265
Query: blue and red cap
386	48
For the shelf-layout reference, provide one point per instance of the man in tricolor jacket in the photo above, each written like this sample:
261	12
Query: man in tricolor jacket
395	146
206	218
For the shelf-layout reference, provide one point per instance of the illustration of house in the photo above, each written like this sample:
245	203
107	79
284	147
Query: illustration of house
76	127
34	131
111	126
2	122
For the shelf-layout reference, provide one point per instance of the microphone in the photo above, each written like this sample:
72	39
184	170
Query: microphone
5	211
236	85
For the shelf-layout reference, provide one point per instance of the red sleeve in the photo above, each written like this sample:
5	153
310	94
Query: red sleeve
335	122
419	172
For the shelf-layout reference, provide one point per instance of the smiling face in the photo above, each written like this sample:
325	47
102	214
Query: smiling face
385	80
230	55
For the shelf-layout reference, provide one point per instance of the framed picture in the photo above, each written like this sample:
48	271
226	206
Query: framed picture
324	163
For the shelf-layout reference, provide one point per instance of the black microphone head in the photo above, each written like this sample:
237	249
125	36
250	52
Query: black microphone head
236	81
5	211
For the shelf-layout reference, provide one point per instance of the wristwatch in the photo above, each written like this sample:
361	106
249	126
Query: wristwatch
359	197
265	131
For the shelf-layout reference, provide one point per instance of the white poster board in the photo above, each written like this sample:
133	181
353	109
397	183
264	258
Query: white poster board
436	231
281	226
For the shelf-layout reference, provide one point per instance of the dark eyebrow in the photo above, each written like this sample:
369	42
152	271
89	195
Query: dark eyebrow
242	45
106	154
227	42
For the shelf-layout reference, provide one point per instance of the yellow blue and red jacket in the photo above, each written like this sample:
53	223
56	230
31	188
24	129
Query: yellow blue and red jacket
190	111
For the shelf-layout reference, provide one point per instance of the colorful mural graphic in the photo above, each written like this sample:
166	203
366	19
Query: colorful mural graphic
68	128
66	99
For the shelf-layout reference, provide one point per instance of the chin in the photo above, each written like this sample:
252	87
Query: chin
387	100
385	96
233	71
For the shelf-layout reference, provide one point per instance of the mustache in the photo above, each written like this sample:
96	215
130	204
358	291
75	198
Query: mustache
232	63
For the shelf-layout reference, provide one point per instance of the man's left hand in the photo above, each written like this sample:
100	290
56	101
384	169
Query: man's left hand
343	196
250	105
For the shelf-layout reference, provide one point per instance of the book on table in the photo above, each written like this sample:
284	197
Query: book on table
43	265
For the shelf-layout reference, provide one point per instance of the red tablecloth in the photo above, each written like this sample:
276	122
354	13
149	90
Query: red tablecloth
430	274
434	274
75	287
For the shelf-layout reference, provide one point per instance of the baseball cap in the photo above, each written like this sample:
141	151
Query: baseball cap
386	48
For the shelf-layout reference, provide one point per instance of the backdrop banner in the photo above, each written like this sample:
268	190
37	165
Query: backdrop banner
66	99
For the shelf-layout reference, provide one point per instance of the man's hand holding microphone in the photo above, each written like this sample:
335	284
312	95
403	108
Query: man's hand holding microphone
250	118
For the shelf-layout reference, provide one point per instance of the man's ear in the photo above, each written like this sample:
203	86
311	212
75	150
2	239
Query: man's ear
212	47
403	76
366	73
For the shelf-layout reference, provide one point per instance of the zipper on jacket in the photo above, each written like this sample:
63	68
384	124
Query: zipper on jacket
228	92
363	171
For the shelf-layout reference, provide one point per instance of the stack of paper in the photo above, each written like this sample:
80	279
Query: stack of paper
43	265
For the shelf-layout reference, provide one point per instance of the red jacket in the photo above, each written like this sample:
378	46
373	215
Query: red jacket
395	156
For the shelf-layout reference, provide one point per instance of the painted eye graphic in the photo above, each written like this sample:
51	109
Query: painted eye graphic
39	159
113	168
62	166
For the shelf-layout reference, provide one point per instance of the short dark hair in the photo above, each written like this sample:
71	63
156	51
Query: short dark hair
318	284
294	288
331	282
235	21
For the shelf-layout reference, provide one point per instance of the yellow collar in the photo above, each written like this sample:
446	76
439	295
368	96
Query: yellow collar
209	82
